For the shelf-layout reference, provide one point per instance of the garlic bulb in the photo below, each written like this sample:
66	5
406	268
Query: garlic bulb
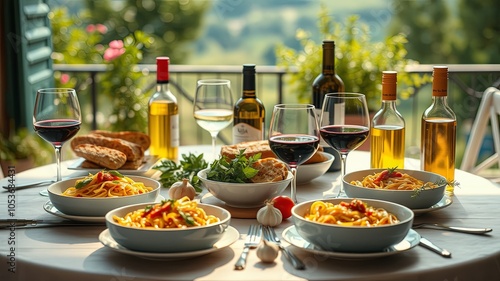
267	252
269	215
181	189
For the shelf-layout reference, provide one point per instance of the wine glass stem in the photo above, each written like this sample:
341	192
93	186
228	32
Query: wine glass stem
343	158
214	138
293	187
57	149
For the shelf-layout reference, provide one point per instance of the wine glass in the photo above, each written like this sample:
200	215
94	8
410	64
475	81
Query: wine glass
294	136
344	124
213	106
56	119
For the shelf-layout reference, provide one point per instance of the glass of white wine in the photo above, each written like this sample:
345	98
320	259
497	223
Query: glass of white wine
213	107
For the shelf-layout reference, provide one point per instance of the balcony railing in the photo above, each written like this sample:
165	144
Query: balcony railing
272	89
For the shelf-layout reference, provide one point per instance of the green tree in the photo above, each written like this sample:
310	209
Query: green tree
440	33
174	24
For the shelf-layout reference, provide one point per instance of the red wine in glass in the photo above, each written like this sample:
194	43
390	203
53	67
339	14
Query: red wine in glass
56	119
344	138
57	131
294	149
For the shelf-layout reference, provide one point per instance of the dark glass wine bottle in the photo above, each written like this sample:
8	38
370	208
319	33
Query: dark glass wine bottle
327	82
439	131
249	111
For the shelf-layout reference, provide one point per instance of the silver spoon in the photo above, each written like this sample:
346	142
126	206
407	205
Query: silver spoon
469	230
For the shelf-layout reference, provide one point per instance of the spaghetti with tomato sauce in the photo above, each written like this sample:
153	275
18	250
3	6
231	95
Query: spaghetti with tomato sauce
180	213
354	213
106	184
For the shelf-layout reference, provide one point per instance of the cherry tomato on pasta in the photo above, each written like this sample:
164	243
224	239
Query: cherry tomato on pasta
284	204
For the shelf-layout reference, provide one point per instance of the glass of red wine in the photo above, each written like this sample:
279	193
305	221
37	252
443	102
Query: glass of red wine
344	124
294	136
56	119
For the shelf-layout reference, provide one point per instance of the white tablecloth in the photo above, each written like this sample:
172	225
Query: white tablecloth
75	253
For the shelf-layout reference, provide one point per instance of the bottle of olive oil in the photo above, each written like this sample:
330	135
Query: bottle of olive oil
163	115
249	111
438	131
387	144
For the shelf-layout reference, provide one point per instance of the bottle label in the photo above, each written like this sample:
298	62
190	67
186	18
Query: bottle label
243	132
174	129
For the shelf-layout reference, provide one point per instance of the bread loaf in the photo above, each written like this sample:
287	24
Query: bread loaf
102	156
132	151
139	138
262	146
270	170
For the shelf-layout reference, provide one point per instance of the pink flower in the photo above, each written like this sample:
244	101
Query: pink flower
101	28
116	44
64	78
90	28
115	50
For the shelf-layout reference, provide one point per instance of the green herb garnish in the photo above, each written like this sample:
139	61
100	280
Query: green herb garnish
83	182
187	218
115	173
238	170
417	191
188	168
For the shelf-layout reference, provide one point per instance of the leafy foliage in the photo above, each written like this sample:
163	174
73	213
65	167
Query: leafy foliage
238	170
359	62
23	144
188	168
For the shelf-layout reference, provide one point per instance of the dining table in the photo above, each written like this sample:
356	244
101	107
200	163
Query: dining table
76	252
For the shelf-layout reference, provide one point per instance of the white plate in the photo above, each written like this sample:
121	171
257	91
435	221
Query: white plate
49	208
291	236
443	203
306	173
149	161
230	236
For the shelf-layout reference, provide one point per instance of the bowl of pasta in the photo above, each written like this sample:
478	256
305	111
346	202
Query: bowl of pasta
97	194
169	226
412	188
352	225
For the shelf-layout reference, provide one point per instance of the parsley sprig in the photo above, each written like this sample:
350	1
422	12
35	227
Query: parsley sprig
417	191
188	168
237	170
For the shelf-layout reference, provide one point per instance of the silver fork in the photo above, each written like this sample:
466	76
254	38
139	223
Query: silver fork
270	235
252	241
469	230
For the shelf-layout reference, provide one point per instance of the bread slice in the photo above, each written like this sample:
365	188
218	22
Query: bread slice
103	156
131	150
139	138
270	170
262	146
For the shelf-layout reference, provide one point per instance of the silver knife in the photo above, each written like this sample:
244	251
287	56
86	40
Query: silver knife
433	247
27	223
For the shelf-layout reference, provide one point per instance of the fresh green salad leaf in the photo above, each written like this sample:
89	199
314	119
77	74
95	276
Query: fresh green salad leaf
188	168
238	170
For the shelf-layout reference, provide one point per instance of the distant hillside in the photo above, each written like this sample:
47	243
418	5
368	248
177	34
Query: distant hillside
238	32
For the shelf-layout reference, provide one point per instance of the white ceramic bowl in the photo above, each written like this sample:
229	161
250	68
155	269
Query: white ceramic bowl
308	172
358	239
98	207
244	195
425	198
169	240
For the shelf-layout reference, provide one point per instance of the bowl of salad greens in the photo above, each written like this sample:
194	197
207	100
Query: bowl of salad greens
230	182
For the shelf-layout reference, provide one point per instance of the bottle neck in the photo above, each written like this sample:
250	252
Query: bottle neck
162	86
328	67
249	85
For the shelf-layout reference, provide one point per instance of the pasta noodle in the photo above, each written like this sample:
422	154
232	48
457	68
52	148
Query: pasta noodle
393	180
180	213
106	184
355	213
